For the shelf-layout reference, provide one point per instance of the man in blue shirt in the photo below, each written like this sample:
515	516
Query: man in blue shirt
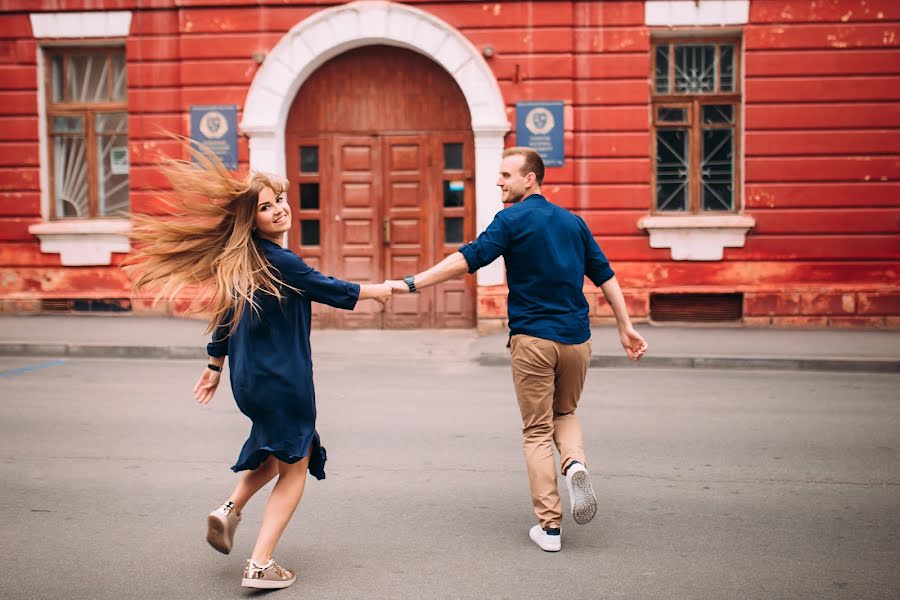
548	251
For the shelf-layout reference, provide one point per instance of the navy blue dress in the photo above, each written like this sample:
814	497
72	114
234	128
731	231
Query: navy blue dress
271	363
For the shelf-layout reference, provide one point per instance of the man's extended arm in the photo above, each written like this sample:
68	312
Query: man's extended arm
452	266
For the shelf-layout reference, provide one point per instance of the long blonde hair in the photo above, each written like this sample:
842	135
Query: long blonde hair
206	240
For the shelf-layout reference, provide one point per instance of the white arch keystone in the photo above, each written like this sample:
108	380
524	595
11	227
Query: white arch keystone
324	35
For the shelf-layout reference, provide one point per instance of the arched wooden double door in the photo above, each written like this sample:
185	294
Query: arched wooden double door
379	154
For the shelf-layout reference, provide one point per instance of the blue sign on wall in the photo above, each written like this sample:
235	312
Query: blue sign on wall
216	127
539	125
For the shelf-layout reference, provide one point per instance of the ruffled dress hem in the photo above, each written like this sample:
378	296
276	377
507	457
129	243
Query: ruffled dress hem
286	452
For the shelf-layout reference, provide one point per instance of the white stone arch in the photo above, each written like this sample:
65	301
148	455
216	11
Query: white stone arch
334	31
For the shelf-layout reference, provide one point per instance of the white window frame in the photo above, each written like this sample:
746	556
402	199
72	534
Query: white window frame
83	242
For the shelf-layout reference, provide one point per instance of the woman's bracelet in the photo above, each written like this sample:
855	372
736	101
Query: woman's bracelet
213	367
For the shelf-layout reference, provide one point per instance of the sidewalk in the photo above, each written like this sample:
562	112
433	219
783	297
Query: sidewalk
670	347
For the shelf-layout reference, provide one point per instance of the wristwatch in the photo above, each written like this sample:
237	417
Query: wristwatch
411	282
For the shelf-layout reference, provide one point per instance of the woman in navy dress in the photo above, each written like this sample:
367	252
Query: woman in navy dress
228	237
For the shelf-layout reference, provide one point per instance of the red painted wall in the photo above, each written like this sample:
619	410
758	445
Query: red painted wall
821	139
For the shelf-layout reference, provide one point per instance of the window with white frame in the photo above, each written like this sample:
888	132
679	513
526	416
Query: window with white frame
87	122
696	104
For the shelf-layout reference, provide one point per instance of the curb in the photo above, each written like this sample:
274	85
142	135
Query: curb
101	351
857	365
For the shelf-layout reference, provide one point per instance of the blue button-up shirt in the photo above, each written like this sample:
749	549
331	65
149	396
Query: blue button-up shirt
548	251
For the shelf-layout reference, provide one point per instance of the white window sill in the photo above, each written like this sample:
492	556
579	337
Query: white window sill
697	237
83	243
695	13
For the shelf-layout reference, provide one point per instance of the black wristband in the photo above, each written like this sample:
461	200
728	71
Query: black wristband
213	367
410	281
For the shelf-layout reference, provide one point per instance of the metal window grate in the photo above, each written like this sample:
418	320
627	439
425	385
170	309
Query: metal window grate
56	305
696	308
85	305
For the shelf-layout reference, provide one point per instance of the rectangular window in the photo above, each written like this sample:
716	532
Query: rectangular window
453	230
309	159
456	189
696	103
88	126
309	196
453	157
306	198
309	233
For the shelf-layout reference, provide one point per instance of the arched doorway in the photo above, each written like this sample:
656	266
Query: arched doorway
379	151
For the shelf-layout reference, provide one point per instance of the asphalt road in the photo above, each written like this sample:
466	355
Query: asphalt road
712	484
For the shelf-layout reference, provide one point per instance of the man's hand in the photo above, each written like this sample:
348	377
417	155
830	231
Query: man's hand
634	344
206	386
398	286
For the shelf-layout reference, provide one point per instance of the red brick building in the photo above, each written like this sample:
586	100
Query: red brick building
737	160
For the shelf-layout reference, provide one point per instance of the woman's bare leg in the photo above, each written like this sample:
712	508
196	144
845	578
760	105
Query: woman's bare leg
281	506
251	482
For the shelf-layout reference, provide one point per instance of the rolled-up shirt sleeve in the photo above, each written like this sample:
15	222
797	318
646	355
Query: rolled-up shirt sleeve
313	284
492	243
596	265
218	346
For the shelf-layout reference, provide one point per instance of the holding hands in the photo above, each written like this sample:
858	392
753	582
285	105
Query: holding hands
382	292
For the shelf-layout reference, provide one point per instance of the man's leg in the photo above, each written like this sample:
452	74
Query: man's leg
533	366
570	374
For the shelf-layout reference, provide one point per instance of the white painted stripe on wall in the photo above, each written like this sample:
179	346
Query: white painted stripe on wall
101	24
680	13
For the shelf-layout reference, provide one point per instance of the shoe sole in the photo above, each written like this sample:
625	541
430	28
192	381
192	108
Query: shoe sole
543	547
584	503
215	535
263	584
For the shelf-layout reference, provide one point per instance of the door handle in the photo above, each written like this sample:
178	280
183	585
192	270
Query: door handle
386	226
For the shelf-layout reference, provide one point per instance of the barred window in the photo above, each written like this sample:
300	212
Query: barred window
88	126
696	109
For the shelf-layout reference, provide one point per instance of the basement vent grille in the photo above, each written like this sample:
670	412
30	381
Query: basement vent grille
696	308
85	305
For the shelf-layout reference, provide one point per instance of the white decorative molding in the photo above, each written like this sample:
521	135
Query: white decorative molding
688	13
83	243
700	237
488	148
333	31
96	24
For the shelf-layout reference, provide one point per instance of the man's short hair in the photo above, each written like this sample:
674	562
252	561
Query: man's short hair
533	162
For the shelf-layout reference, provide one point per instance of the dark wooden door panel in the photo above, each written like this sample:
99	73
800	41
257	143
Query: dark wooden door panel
454	208
311	179
407	226
356	221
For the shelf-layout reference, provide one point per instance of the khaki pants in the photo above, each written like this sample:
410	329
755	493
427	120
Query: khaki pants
549	377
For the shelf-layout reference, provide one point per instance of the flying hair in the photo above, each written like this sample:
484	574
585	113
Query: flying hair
206	239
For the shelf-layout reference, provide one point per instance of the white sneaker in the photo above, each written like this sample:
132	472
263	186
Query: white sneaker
581	494
546	542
